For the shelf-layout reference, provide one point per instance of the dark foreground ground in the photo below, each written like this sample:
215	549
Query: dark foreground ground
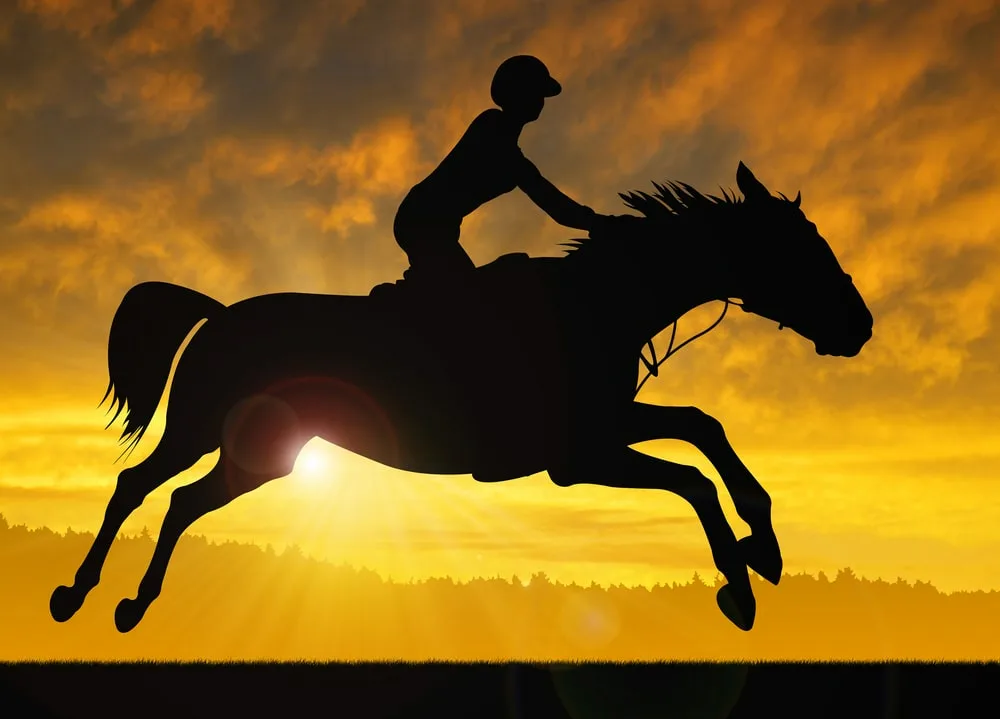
510	691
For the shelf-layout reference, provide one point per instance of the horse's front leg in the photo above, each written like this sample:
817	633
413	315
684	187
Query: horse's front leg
628	469
753	504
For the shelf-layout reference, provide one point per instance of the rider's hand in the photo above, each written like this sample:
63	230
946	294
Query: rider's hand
607	224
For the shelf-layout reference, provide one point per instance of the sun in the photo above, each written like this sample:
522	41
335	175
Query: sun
314	465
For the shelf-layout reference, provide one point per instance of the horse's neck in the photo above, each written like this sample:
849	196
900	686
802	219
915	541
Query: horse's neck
695	273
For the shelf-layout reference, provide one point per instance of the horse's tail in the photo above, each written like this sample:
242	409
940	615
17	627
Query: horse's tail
148	328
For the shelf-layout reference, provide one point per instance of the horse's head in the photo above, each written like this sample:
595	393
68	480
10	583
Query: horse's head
790	275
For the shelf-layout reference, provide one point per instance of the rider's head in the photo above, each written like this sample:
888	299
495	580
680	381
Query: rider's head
520	86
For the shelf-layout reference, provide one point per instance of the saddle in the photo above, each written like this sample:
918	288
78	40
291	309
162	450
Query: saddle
487	277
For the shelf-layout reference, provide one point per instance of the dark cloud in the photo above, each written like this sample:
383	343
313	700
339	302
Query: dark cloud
843	22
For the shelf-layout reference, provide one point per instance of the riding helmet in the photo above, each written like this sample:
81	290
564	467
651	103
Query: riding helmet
522	75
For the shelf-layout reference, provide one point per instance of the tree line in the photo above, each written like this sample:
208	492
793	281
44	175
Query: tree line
238	601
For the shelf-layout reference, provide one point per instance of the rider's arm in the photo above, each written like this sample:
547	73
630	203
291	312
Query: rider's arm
564	210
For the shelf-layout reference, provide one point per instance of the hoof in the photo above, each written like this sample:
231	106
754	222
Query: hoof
739	607
766	561
65	602
128	614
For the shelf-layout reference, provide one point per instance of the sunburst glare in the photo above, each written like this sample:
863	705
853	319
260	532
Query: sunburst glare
315	465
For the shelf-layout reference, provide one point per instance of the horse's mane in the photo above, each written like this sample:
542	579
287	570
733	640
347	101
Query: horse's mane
674	198
671	201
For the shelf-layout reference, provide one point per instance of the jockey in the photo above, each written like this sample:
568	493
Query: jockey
485	164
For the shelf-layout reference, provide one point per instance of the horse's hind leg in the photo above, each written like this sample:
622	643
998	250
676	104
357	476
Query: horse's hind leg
171	456
219	487
750	499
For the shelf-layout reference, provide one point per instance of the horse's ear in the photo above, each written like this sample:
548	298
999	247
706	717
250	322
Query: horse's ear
749	185
798	199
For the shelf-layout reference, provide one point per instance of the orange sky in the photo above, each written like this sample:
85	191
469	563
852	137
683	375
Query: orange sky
261	146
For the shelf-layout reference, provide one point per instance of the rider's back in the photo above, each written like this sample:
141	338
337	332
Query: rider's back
483	165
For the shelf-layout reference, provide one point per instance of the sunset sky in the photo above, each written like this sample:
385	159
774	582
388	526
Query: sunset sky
241	148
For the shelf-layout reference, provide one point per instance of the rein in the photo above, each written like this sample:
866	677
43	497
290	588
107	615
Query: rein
653	368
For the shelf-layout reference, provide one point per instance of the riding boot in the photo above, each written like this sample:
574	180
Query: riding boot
435	281
389	289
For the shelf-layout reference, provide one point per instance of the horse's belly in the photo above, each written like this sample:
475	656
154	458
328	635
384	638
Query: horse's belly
518	427
393	434
489	430
422	409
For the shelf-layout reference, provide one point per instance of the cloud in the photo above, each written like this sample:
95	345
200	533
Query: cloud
166	100
381	159
96	245
169	25
312	30
81	17
343	215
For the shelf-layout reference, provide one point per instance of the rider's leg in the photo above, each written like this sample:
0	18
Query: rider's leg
433	248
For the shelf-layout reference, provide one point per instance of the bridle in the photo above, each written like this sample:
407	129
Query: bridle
652	368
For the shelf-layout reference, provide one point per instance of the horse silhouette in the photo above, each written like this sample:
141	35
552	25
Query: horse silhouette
530	368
